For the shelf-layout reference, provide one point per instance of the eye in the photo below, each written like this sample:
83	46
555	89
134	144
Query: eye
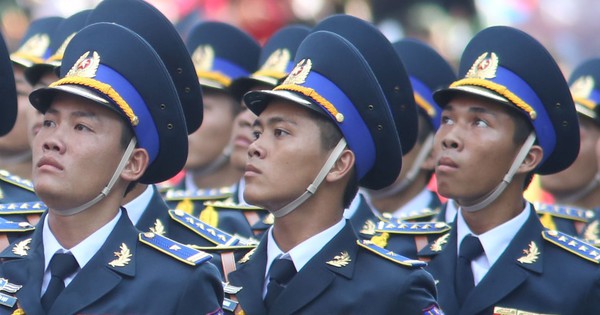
447	120
256	134
81	127
48	123
280	132
481	123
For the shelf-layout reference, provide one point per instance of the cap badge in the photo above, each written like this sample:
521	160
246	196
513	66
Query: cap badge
85	66
277	61
36	45
484	67
203	58
61	50
299	73
583	86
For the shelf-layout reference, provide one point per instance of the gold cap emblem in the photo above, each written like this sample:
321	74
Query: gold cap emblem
85	66
299	73
583	87
58	55
277	61
35	46
484	67
203	58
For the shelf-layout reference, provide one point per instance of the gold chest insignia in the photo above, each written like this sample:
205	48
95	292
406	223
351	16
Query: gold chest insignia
22	247
484	67
340	260
277	61
299	73
368	228
438	244
531	254
158	228
123	257
86	66
203	58
582	87
247	256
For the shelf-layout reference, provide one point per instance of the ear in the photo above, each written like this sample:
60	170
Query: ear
136	166
342	166
532	160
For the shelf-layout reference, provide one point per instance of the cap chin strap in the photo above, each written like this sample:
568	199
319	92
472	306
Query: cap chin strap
485	201
410	176
593	184
215	164
312	188
108	187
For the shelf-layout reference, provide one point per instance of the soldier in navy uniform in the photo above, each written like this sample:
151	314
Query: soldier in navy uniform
509	116
105	112
408	198
326	129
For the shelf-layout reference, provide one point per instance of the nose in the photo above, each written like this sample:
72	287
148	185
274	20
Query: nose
450	140
52	143
255	150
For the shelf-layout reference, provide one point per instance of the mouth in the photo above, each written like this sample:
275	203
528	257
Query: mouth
251	170
48	162
446	164
242	141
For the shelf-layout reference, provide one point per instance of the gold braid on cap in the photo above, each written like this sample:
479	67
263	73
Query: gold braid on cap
424	104
103	88
269	73
500	89
214	76
308	92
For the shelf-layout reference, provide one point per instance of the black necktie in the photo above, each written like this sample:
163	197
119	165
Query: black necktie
282	271
470	248
61	266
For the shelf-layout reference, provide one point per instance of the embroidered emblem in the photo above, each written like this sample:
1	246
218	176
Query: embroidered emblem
277	61
381	240
583	87
36	45
203	58
9	287
484	67
340	260
368	228
247	256
531	254
591	232
85	66
21	247
209	216
299	73
123	257
18	311
230	289
158	228
438	244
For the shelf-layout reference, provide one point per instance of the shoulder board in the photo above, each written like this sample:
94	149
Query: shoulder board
22	207
228	205
11	226
229	304
174	249
401	227
17	249
16	180
418	214
221	239
390	255
571	213
201	194
573	245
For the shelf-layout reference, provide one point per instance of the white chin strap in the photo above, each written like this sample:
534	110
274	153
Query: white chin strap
593	184
217	163
109	186
485	201
312	188
401	185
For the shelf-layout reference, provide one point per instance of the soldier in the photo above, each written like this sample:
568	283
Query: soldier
501	123
107	113
326	129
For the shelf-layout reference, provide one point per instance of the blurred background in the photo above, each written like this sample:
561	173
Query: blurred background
566	28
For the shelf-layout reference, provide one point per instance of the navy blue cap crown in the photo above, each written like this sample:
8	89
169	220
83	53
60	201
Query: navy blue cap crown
144	19
585	88
109	64
8	101
428	72
387	67
332	77
276	60
221	53
35	45
509	66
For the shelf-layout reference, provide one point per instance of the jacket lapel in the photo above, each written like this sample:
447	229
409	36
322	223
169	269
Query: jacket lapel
317	275
156	209
250	276
512	268
99	276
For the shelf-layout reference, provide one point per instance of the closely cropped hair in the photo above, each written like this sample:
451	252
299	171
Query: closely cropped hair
126	135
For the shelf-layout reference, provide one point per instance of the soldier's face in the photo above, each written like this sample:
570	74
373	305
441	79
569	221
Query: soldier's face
16	141
584	168
75	152
475	148
285	157
34	117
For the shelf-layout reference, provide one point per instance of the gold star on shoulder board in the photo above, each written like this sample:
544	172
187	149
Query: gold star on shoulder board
531	254
123	257
21	247
340	260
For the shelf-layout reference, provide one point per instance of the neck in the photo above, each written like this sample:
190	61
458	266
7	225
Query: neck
225	176
390	204
137	191
589	201
507	206
20	166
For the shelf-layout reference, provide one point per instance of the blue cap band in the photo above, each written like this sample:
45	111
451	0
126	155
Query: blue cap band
228	68
423	91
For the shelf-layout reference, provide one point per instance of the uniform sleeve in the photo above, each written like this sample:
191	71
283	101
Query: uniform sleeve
418	295
203	293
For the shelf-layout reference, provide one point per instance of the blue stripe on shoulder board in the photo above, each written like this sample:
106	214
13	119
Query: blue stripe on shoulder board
390	255
22	207
174	249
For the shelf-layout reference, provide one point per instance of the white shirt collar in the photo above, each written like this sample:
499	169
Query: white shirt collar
451	210
136	207
190	185
419	202
240	192
351	210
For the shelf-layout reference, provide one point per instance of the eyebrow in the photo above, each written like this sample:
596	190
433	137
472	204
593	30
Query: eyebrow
78	114
273	121
472	109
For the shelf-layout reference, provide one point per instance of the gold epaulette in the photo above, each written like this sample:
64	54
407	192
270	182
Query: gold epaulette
174	249
570	213
35	207
573	245
390	255
5	176
402	227
200	194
